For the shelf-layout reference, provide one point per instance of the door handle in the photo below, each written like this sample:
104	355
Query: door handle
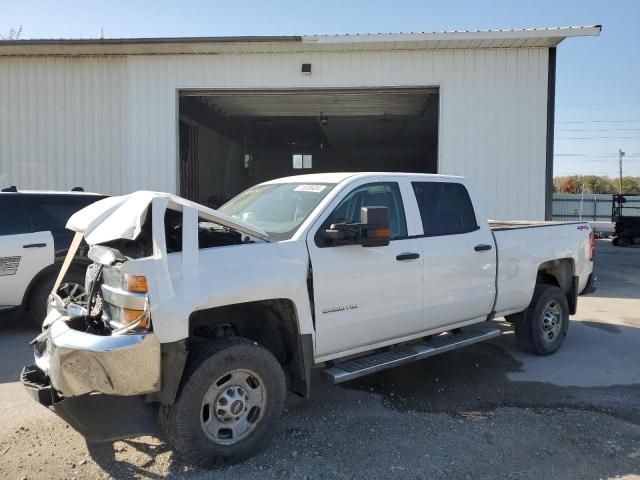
34	245
482	247
407	256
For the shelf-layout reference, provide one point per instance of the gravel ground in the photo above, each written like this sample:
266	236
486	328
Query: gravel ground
485	412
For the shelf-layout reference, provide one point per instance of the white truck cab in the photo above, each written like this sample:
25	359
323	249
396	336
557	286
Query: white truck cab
202	319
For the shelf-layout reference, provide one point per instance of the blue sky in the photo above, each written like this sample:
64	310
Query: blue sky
598	79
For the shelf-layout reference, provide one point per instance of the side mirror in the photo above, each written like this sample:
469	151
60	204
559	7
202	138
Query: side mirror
341	233
374	227
372	231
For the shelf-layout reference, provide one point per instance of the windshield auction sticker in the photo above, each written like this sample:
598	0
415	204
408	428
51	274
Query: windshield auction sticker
310	188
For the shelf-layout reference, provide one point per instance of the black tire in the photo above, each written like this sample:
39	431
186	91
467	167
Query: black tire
182	422
531	334
37	304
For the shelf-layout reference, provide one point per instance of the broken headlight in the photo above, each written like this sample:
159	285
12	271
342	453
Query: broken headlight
126	302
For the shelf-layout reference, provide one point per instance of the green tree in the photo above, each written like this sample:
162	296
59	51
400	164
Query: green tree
597	184
630	185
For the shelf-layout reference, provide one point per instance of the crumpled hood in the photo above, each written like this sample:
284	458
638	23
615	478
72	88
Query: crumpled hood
122	217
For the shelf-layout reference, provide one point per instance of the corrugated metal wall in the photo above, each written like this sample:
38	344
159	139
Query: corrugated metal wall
110	124
63	123
590	206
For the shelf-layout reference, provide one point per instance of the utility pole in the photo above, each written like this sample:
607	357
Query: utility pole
620	155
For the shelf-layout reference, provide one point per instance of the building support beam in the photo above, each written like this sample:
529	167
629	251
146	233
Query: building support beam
551	107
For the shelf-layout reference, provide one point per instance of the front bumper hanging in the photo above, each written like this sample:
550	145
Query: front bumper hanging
97	384
97	417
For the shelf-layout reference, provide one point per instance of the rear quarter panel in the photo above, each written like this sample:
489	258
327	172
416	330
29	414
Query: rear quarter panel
522	250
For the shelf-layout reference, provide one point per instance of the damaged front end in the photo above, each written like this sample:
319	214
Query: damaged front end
106	366
96	363
99	366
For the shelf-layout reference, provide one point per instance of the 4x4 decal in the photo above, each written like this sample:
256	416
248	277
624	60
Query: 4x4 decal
9	265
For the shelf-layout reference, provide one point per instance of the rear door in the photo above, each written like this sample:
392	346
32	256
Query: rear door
459	255
51	213
23	253
365	295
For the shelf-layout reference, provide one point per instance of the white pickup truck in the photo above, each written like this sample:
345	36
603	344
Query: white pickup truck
202	319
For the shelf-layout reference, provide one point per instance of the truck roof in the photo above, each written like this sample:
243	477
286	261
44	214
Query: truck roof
337	177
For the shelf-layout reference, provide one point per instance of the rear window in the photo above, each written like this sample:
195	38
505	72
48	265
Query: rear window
13	221
52	214
445	208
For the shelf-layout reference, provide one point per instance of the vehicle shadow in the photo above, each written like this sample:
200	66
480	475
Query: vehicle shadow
16	331
146	450
420	416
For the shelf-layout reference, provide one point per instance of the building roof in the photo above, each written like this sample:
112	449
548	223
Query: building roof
515	38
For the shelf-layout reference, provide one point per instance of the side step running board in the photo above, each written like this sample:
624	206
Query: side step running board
361	366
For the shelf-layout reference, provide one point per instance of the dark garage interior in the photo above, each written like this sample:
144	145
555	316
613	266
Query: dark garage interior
230	139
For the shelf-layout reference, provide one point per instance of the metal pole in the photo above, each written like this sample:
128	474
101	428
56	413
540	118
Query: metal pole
620	155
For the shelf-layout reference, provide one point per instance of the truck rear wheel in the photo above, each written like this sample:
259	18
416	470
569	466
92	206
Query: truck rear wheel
231	396
543	326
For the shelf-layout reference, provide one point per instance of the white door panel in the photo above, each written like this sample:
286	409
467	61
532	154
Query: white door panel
365	295
459	281
21	258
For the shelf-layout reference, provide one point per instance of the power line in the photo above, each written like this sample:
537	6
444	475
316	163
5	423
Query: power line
634	154
567	154
595	138
600	121
598	104
599	130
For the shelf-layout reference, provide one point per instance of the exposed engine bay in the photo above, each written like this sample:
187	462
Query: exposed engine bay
114	304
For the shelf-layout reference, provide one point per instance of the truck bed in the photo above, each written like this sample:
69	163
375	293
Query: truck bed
524	245
516	224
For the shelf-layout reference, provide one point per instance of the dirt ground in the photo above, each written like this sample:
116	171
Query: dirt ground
488	411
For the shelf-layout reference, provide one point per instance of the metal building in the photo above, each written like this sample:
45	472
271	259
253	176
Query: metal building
208	117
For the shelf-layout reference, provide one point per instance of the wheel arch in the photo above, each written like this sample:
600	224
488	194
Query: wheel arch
272	323
561	273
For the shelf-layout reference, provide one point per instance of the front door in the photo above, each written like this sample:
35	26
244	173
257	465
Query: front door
365	295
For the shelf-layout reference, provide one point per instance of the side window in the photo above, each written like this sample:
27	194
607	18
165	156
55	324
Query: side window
209	234
372	195
52	214
13	221
445	208
173	230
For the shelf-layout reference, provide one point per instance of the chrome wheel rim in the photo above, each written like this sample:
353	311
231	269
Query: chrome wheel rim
72	293
551	321
233	406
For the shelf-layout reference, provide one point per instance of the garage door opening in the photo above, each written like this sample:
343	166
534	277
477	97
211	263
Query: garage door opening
230	139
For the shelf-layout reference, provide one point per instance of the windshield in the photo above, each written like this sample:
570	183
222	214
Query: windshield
279	208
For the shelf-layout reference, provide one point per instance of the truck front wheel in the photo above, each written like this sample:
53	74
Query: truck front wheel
231	396
542	328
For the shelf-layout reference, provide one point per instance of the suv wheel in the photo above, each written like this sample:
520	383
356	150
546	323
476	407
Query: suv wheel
543	326
231	396
72	289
